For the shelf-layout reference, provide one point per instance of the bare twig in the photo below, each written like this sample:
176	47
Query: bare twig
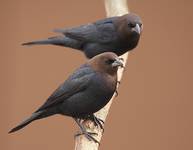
113	8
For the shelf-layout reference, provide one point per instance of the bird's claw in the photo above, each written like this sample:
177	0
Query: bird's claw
98	122
88	135
81	133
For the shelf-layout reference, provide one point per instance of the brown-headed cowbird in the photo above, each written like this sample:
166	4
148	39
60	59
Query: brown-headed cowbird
116	34
85	92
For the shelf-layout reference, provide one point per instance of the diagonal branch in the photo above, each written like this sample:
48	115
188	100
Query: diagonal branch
113	8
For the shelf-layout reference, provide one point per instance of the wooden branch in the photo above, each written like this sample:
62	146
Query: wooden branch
113	8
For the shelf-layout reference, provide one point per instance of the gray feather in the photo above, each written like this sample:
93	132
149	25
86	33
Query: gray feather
33	117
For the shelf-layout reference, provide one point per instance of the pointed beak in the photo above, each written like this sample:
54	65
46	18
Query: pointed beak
137	28
118	62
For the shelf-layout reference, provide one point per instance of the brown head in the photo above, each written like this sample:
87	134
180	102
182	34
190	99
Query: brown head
130	22
107	62
129	27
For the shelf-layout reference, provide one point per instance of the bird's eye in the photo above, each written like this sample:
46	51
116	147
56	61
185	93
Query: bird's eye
110	61
131	25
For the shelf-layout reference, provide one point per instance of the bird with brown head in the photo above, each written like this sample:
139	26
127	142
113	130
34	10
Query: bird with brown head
85	92
115	34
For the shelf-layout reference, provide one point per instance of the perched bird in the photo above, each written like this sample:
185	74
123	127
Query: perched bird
85	92
116	34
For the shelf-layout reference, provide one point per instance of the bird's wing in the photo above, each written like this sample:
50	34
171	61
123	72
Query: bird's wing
101	31
77	82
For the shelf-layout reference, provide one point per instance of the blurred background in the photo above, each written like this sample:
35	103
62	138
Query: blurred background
154	109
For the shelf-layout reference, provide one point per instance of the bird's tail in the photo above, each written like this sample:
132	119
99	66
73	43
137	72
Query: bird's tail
57	40
33	117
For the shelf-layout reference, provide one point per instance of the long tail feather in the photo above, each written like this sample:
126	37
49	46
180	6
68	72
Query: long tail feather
57	40
26	122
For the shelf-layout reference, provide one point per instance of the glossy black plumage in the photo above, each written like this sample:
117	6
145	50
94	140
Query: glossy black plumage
115	34
85	92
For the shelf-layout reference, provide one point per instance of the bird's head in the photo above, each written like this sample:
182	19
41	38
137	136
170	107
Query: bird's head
129	24
129	27
107	62
134	23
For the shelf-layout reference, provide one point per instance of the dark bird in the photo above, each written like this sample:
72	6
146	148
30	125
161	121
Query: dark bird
116	34
85	92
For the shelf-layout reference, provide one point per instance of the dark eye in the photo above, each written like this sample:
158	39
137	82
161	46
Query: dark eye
131	25
109	61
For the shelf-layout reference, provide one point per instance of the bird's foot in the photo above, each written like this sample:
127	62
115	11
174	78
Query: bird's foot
97	121
88	135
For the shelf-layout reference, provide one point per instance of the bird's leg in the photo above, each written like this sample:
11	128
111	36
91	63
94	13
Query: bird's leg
88	135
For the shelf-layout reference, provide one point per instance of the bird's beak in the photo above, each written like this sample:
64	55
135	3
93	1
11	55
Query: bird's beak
137	28
118	62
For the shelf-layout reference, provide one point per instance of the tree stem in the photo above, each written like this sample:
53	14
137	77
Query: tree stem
113	8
